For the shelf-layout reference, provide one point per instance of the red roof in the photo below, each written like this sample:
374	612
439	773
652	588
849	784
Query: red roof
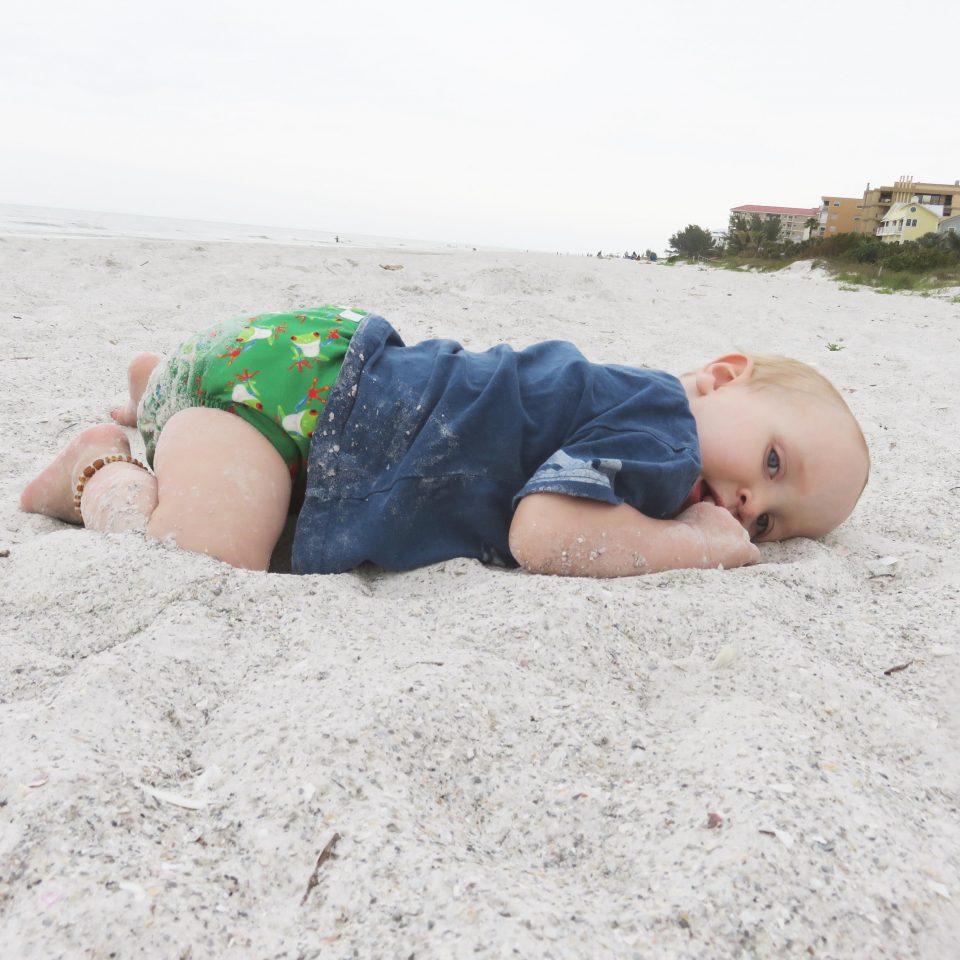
788	211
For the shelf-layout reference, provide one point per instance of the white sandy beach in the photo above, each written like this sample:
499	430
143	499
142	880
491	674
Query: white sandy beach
515	765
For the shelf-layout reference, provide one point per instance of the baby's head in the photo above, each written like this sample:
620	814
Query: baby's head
779	446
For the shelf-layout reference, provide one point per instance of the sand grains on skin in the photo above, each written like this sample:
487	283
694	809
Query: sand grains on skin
51	492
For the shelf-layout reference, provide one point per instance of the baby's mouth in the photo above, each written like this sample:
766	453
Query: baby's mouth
709	495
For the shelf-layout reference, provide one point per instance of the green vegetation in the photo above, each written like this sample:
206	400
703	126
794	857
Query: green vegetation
733	261
753	237
692	241
856	260
855	277
880	281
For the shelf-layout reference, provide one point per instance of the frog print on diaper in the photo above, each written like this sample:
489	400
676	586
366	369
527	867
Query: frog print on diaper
245	390
310	344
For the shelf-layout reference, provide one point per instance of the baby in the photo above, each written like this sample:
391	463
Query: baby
409	455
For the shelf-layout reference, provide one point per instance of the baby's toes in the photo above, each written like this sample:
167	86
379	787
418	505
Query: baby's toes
126	416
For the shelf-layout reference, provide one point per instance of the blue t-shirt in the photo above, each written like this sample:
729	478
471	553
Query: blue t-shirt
423	452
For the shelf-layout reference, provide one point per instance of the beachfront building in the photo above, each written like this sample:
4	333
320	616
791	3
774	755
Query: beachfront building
793	220
908	221
949	223
877	201
838	215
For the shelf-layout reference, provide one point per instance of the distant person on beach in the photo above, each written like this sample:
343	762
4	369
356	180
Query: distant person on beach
408	455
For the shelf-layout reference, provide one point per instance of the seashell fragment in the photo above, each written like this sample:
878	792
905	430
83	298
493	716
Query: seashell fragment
724	658
782	788
167	796
135	888
884	567
785	838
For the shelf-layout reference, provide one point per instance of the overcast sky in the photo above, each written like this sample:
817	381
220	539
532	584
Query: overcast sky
569	126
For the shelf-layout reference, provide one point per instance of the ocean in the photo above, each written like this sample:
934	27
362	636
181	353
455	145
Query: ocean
27	221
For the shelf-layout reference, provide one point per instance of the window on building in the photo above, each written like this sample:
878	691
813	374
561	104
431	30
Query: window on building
836	203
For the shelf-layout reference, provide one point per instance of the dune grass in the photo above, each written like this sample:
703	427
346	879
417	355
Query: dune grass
851	275
854	276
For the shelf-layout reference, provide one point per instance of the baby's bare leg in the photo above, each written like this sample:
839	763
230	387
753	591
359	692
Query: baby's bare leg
220	487
51	491
138	373
119	498
222	490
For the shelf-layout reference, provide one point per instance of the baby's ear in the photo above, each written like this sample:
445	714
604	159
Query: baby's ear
731	368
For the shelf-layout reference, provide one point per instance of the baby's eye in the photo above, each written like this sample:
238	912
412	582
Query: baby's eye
773	463
763	523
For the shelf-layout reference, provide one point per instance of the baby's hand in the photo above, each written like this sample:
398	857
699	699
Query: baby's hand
725	540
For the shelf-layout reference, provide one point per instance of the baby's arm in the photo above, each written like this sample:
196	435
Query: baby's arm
572	536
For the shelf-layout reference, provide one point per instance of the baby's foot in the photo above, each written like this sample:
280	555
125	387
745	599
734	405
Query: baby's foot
51	492
138	373
125	415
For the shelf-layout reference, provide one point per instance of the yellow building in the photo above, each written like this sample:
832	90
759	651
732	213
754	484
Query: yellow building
878	200
838	215
907	221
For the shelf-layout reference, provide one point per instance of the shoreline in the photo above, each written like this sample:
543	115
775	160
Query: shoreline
93	224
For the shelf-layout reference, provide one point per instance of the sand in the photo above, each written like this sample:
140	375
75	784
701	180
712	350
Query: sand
694	764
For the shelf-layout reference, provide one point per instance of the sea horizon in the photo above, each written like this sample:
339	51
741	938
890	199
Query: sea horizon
27	220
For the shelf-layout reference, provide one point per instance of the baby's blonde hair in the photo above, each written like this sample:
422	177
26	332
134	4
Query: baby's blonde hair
773	370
